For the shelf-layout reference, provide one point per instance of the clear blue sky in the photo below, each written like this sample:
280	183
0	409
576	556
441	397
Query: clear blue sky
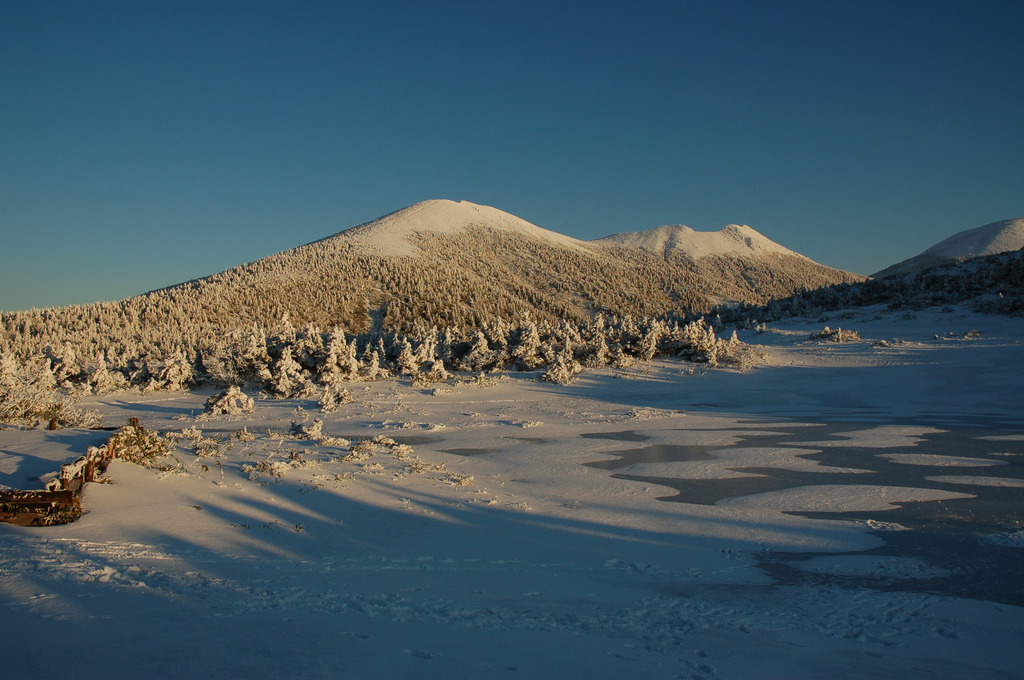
143	144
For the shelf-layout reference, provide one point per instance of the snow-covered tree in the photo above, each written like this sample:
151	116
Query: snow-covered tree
526	352
406	362
564	369
177	373
340	363
101	380
287	377
67	371
374	368
478	357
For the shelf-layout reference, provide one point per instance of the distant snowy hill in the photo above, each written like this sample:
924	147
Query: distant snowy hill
732	241
992	284
991	239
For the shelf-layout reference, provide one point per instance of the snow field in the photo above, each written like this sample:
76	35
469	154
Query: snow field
472	539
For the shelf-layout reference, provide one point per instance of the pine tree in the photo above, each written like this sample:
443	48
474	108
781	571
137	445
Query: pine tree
479	357
287	379
102	380
526	353
564	369
406	362
177	373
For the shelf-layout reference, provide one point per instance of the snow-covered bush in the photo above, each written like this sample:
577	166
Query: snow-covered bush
232	402
32	407
315	432
837	335
332	397
312	431
135	444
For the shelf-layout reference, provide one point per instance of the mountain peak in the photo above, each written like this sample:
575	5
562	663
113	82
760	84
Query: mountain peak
392	234
733	240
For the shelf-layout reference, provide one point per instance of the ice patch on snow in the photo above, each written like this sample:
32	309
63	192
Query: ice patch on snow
968	480
1008	539
872	565
932	460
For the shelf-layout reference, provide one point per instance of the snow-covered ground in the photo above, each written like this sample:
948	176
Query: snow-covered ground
843	510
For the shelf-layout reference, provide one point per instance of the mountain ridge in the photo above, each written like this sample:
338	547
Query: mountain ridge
391	234
732	240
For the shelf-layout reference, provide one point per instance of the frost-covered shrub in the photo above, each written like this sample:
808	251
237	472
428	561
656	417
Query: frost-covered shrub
430	372
135	444
332	397
735	354
267	468
315	432
32	407
838	335
232	402
202	445
312	431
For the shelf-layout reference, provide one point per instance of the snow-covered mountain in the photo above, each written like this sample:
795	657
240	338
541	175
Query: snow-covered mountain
991	239
732	241
438	263
394	234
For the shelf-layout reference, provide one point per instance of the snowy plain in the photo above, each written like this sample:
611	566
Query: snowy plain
843	510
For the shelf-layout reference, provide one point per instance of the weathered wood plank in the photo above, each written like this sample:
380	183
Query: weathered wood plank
39	508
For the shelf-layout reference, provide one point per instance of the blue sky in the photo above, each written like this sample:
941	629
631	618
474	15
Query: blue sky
143	144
